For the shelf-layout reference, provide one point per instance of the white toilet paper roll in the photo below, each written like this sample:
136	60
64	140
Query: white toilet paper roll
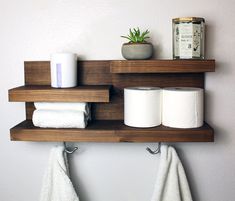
142	106
63	70
182	107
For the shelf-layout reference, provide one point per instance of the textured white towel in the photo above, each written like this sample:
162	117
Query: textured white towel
171	184
57	185
84	107
59	119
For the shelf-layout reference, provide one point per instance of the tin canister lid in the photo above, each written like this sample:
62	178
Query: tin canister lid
188	19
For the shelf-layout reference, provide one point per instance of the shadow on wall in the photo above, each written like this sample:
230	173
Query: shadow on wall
221	134
209	40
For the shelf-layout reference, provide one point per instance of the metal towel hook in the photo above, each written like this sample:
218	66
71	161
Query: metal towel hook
158	150
67	150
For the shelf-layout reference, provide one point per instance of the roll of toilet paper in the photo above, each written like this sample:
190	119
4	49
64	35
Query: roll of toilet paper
142	106
182	107
63	70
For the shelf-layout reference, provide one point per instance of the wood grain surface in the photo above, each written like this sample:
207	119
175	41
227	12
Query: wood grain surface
111	131
40	93
162	66
98	73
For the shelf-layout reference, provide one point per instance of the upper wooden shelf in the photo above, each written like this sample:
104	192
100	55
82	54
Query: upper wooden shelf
111	131
162	66
41	93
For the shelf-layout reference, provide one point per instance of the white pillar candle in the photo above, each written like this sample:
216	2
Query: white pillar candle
63	70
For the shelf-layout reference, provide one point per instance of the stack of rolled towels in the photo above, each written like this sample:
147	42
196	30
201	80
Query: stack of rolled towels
61	115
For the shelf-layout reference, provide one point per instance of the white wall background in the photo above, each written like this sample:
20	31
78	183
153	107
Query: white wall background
31	30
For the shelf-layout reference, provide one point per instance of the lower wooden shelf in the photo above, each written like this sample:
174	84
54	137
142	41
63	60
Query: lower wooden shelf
111	131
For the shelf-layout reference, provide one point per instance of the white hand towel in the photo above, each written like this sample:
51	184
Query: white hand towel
59	119
84	107
171	184
57	185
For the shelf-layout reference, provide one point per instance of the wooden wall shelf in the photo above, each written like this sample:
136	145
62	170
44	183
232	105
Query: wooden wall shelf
162	66
42	93
107	112
111	131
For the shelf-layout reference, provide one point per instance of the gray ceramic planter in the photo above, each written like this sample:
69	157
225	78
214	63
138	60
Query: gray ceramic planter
137	50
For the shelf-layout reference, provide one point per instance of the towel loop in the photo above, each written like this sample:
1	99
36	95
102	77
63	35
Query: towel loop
67	150
158	150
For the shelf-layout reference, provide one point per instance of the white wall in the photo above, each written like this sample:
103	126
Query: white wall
31	30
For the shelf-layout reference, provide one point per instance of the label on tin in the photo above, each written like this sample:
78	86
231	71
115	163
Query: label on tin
197	40
187	40
176	40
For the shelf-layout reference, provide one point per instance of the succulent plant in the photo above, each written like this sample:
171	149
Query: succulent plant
135	36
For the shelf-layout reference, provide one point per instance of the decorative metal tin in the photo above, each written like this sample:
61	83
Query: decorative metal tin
188	38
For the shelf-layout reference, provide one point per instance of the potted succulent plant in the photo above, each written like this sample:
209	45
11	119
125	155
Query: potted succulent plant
137	47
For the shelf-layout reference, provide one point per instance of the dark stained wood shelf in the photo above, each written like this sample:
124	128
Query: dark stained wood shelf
46	93
94	80
111	131
162	66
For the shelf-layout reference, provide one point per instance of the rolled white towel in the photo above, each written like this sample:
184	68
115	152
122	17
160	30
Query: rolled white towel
59	119
84	107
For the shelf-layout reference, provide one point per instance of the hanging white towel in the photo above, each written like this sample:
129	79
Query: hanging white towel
171	184
84	107
59	119
57	185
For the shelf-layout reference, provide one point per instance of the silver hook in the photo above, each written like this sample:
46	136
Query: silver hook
158	150
69	151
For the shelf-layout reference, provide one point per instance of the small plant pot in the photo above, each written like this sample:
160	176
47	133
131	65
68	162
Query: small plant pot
131	51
